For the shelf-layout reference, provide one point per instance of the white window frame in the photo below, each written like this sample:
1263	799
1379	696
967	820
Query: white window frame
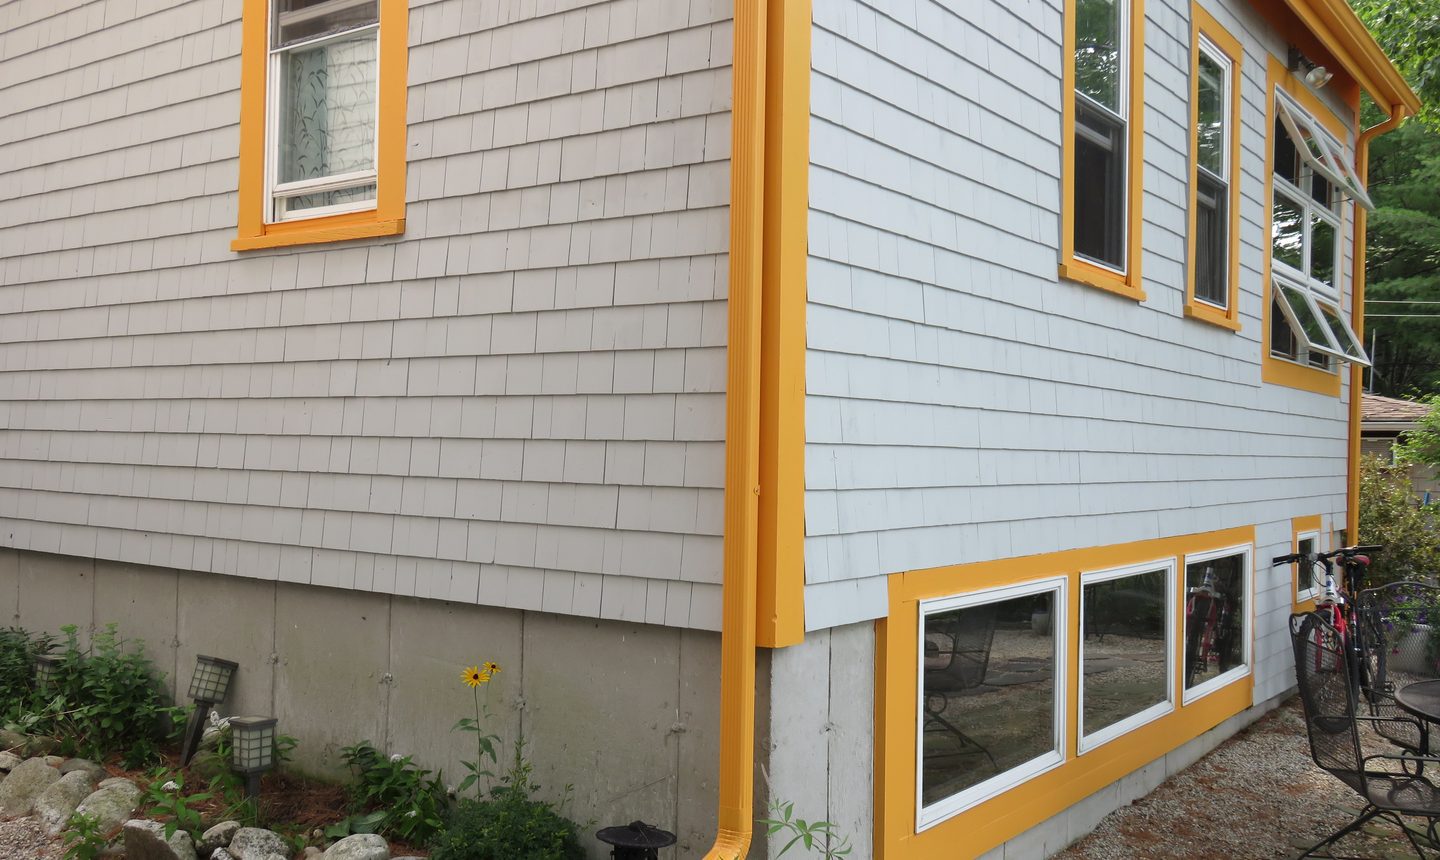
1300	566
929	816
1315	297
1227	66
276	191
1200	691
1122	101
1165	566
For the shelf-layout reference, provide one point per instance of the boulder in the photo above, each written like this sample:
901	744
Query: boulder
96	772
57	803
255	843
13	741
114	801
361	846
41	745
9	761
24	784
145	840
222	854
218	836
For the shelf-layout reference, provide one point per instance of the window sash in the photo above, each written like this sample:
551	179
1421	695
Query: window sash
1247	569
1226	66
1306	319
1100	225
1165	567
934	813
1330	162
1340	330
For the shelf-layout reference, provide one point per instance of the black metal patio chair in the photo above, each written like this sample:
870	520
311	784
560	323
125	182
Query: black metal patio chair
1393	622
1332	722
957	655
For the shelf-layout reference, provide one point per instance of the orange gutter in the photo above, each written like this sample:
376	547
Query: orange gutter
742	437
1357	318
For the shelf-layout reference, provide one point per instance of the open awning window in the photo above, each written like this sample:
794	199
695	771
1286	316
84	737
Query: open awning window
1319	322
1318	149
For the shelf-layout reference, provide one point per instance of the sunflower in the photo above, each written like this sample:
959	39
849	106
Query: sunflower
473	677
491	668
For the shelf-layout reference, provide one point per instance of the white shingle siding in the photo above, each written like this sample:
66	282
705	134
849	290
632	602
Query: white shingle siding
520	401
962	405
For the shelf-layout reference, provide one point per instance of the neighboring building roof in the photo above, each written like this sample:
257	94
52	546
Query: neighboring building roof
1389	413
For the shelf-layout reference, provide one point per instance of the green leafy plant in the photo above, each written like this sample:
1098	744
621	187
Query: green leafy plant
409	803
1390	515
166	798
819	836
18	649
476	677
511	824
83	838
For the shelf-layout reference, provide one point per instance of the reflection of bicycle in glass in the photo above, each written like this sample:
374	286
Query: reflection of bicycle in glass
1210	628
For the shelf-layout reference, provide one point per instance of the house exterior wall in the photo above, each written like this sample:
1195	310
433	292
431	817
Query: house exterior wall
519	402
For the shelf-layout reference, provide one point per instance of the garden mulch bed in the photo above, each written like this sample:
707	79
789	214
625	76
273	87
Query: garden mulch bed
1258	795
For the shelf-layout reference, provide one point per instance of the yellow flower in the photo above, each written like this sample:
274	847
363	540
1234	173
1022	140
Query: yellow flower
491	668
473	677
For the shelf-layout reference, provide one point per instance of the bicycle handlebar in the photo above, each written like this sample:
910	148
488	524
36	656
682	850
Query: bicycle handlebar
1348	553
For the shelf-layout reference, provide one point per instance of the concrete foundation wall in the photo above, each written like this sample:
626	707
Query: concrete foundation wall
626	713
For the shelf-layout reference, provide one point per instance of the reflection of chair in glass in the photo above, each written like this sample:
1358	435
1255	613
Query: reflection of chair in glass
1388	783
957	653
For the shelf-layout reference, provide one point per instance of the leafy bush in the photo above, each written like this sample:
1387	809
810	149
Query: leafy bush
393	796
1391	516
17	668
511	825
166	798
83	838
102	700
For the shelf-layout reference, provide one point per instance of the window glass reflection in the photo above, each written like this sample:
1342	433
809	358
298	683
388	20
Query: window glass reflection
988	692
1124	648
1214	618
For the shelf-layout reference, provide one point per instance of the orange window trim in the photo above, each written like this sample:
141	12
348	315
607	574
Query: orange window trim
1302	526
1278	371
1202	23
992	822
1073	268
388	216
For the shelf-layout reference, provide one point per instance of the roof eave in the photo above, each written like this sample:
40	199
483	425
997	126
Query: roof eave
1345	36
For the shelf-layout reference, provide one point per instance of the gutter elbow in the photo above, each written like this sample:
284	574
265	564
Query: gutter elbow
729	845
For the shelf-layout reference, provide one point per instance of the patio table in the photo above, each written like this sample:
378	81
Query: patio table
1421	699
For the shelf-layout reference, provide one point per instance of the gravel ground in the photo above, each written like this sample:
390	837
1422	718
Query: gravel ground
1258	795
23	839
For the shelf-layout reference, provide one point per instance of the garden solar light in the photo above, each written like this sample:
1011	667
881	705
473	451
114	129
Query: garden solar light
210	685
47	668
636	841
252	744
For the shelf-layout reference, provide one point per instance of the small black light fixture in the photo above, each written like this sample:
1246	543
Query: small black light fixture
252	745
47	670
636	841
209	685
1315	75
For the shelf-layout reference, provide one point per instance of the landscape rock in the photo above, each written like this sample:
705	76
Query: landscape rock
255	843
222	854
9	761
24	784
145	840
55	761
57	803
13	741
218	836
361	846
41	745
114	801
96	772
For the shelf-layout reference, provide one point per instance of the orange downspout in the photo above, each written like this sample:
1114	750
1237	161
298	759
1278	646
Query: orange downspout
742	437
1357	318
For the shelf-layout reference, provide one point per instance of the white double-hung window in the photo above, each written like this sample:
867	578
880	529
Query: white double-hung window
322	105
1311	175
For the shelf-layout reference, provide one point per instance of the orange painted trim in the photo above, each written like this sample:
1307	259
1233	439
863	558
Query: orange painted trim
1344	36
780	592
1302	526
388	216
992	822
1072	268
1278	371
742	436
1202	23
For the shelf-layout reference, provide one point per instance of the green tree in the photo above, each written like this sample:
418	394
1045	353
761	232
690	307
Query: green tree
1409	33
1391	516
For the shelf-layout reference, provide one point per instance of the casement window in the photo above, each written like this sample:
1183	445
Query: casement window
1100	242
1216	620
1127	653
992	693
322	121
1213	273
1310	180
